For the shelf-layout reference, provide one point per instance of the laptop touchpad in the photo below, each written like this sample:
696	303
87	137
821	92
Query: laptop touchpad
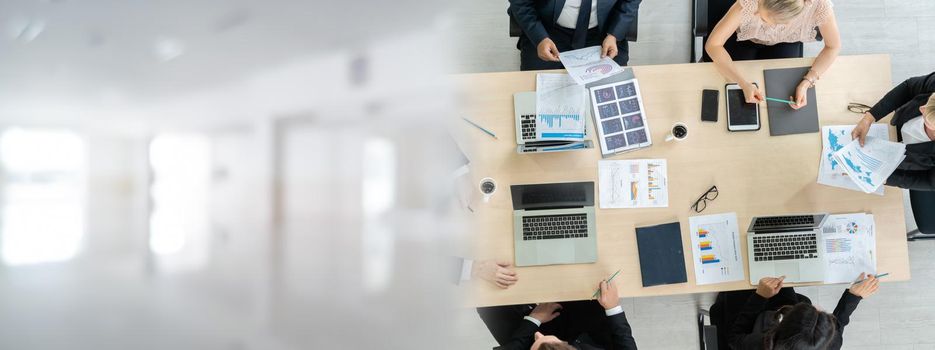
557	252
788	269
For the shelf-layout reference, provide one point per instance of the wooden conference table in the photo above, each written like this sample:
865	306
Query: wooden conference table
756	175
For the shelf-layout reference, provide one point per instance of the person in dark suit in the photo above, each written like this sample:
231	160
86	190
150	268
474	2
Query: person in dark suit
553	26
773	317
913	102
585	324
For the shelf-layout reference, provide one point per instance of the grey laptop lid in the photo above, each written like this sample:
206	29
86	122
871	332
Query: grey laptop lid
783	120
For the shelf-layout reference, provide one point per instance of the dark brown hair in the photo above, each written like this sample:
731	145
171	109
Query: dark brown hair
803	327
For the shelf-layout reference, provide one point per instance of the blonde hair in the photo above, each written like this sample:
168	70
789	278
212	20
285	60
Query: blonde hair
930	110
784	10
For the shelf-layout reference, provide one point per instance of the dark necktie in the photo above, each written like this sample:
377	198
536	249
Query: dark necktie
581	28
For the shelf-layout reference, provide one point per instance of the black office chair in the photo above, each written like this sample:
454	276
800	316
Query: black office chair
923	210
705	15
707	333
516	30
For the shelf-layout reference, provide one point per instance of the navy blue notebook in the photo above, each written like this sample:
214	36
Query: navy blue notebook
661	257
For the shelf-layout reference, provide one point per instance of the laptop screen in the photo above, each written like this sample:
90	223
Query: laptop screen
553	196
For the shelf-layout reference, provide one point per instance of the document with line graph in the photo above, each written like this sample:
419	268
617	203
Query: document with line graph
640	183
869	166
849	248
716	248
560	108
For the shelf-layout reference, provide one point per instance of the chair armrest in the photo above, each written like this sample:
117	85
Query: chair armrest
700	27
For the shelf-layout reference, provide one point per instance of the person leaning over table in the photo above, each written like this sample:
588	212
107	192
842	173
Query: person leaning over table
586	324
774	317
914	104
552	26
767	29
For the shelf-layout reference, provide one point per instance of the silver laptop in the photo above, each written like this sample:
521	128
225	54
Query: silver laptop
524	109
789	245
554	223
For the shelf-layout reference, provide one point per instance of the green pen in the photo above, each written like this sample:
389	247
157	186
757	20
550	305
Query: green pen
874	276
779	100
598	291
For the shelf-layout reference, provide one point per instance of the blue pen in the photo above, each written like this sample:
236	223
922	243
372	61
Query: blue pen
874	276
488	132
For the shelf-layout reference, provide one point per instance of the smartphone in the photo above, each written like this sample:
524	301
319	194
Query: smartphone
709	101
741	116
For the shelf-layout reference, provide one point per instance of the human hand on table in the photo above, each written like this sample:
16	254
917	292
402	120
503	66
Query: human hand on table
608	298
769	286
500	273
752	93
801	95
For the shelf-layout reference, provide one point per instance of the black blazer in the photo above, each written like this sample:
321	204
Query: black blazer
752	323
537	17
917	171
621	336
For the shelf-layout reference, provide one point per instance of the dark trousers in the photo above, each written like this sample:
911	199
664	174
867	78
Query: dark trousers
729	304
576	318
747	50
529	55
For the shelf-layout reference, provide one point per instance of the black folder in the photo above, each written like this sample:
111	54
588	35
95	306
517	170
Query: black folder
661	258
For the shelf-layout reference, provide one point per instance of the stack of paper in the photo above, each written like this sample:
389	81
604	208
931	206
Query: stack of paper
850	246
560	108
830	171
870	165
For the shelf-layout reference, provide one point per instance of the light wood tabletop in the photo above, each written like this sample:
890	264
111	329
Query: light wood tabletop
756	174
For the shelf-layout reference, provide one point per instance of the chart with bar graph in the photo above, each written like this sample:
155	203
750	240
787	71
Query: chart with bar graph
633	183
716	248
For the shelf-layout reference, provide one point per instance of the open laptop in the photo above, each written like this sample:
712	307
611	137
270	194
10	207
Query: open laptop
554	223
524	109
789	245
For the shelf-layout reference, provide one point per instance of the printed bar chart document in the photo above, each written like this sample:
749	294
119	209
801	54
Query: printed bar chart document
716	248
870	165
850	247
586	65
560	108
833	139
640	183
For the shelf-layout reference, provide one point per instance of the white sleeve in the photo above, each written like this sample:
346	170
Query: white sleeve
533	320
466	266
613	311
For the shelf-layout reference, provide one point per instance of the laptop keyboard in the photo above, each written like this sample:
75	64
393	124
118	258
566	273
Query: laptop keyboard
783	221
555	226
528	126
785	247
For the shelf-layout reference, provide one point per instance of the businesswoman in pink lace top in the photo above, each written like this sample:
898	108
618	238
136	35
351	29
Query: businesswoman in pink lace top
765	29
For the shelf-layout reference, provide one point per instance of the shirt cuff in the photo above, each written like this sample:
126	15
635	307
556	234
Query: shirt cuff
614	311
533	320
466	267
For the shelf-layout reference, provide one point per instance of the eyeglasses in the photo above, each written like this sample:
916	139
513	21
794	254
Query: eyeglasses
702	202
858	108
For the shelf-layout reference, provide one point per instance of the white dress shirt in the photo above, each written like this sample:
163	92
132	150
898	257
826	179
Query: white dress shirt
914	131
568	18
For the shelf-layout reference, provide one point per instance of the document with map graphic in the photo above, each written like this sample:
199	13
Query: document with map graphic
869	165
586	65
833	139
